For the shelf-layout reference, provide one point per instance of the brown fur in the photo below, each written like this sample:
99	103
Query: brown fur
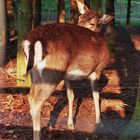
71	42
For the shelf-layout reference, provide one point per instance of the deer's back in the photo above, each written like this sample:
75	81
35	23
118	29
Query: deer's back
70	47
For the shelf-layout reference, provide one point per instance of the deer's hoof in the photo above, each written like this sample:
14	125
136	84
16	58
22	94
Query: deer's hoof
70	127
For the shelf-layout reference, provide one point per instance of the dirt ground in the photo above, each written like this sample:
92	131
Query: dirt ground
118	95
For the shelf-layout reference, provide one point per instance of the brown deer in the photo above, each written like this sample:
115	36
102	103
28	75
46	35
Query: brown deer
55	52
89	19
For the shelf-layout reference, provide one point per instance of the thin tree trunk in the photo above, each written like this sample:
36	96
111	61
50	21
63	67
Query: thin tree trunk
73	12
15	12
2	31
36	13
110	7
24	25
128	13
111	11
61	11
110	27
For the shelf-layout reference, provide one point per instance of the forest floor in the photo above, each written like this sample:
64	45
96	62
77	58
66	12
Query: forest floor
118	93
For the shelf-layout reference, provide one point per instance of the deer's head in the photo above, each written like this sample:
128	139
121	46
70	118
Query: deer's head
89	19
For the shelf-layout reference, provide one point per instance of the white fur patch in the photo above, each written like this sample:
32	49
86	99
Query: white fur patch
38	53
26	48
76	74
40	66
93	76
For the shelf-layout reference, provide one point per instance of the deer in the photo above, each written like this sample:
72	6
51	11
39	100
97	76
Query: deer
90	20
62	51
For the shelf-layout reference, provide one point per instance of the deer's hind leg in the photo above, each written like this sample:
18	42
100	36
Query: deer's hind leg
94	80
70	96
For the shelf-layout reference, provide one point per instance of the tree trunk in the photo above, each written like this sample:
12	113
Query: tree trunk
61	11
110	27
15	12
73	12
110	7
2	31
36	13
133	128
24	24
111	11
128	13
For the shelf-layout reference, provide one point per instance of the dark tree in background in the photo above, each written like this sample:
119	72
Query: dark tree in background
15	12
128	13
110	7
73	12
36	11
110	27
61	11
24	25
111	11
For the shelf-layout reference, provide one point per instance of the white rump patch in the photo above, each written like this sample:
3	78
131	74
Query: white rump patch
93	76
76	74
26	48
40	66
38	53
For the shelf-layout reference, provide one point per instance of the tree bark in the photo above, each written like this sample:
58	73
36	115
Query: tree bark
111	11
2	31
128	13
15	12
61	11
36	13
73	12
24	25
110	27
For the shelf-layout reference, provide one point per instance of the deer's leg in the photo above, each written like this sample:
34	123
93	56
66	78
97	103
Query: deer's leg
38	94
94	78
70	96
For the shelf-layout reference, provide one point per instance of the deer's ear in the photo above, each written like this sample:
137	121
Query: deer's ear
105	19
82	8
